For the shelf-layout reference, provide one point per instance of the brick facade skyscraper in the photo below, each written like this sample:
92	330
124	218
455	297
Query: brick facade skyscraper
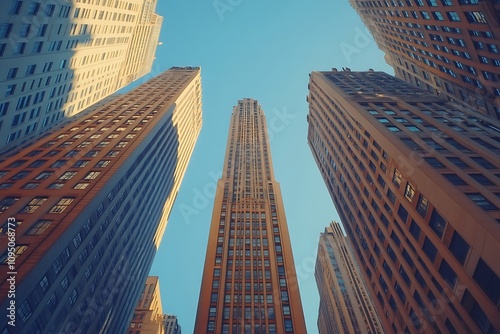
91	202
345	305
448	47
249	282
416	182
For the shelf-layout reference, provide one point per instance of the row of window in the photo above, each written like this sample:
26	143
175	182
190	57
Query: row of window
418	3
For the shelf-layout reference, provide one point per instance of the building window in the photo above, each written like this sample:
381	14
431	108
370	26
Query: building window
49	9
458	162
415	230
81	163
483	162
57	164
91	154
61	205
453	16
33	8
39	227
20	249
102	163
481	201
476	313
19	48
488	281
77	240
43	175
15	7
475	17
24	311
422	205
429	249
7	202
403	213
397	177
73	296
12	73
483	180
10	90
409	192
67	175
448	274
437	223
459	247
434	162
92	175
33	205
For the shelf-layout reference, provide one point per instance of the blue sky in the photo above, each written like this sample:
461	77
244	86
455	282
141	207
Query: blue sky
263	50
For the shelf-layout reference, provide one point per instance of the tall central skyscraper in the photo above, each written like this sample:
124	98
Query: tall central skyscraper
249	282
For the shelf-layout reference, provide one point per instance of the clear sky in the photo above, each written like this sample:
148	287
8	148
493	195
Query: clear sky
264	50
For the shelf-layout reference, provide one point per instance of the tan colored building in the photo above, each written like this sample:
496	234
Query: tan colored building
416	182
91	203
345	305
249	282
58	58
449	47
148	314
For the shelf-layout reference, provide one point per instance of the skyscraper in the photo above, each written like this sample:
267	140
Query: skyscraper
416	182
59	57
345	305
448	47
148	314
171	324
91	202
249	282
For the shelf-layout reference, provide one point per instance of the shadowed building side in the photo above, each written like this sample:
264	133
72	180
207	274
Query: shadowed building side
91	202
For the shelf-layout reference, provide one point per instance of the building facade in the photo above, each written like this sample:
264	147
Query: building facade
148	314
249	282
345	305
416	182
171	325
448	47
59	57
89	205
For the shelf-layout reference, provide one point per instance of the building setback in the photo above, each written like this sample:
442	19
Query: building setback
59	57
171	324
345	305
249	282
416	182
148	314
448	47
91	203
